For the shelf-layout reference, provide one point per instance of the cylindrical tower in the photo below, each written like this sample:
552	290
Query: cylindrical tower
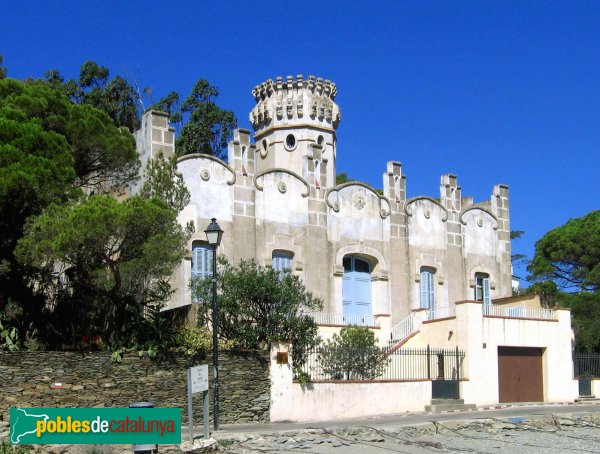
294	123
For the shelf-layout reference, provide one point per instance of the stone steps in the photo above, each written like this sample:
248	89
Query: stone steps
443	405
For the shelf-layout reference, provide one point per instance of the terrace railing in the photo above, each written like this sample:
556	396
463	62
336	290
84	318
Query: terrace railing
519	312
323	318
441	312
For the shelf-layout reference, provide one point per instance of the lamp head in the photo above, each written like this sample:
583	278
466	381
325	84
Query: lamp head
214	233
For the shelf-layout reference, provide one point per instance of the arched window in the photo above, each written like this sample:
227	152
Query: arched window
317	173
201	260
482	289
427	289
282	261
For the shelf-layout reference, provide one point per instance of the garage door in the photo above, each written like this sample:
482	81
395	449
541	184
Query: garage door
520	375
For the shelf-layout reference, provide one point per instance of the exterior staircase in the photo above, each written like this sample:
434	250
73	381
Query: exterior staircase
402	330
443	405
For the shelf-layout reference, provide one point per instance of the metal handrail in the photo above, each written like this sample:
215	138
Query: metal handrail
403	329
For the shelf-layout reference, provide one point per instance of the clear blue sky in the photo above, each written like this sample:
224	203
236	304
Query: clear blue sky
493	91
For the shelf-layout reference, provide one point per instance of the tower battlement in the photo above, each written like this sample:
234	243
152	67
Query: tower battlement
295	101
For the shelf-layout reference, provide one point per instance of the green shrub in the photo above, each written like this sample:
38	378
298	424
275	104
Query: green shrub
353	355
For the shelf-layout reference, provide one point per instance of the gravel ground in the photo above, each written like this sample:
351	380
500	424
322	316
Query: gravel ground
542	435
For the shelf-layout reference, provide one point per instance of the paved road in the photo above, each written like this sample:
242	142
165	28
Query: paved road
411	419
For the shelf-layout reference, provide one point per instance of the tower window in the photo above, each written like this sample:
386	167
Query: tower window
427	289
482	289
320	140
290	142
317	174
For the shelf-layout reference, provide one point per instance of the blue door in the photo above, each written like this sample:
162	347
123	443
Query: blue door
356	289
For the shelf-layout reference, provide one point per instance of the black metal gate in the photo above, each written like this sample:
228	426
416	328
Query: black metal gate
586	367
445	385
445	389
585	387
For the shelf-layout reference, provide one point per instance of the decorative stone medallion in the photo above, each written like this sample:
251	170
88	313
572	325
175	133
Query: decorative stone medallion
480	222
358	200
427	214
282	187
205	174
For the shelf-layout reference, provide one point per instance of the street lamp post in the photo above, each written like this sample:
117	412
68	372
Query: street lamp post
214	235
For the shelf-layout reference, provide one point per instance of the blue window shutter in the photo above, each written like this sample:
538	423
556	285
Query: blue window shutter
196	260
431	291
208	254
487	300
200	266
478	287
423	289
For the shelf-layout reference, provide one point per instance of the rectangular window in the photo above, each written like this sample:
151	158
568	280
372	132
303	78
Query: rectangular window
282	262
202	260
427	289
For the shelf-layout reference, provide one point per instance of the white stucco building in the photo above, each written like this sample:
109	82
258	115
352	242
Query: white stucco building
364	253
375	259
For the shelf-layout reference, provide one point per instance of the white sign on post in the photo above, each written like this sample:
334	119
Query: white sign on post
199	378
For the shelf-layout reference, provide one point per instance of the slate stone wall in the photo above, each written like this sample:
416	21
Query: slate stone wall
90	379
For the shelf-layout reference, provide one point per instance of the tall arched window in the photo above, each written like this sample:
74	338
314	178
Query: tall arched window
356	289
482	289
427	289
397	187
317	173
244	160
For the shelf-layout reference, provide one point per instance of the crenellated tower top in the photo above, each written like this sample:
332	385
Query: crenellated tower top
293	102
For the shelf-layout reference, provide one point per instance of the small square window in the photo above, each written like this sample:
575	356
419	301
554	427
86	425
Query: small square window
282	262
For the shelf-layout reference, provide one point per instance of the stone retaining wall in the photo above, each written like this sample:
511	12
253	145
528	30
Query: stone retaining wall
90	379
